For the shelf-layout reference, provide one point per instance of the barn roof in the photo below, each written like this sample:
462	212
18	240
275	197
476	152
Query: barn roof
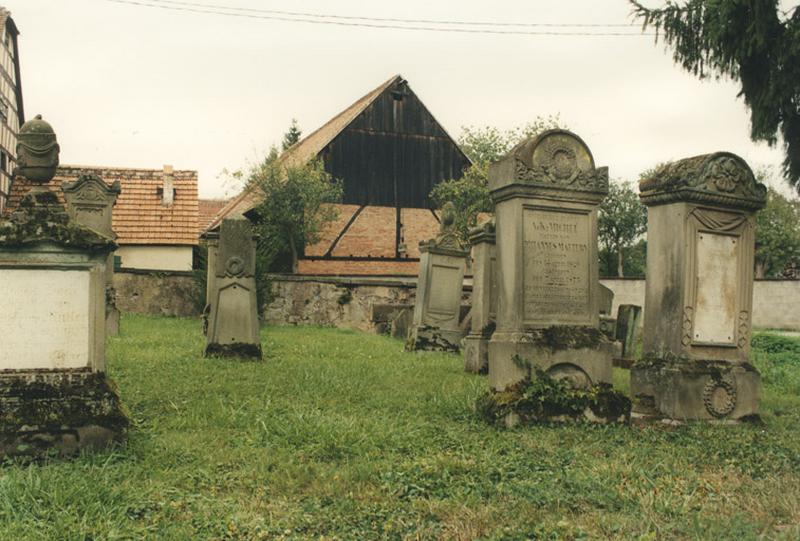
307	148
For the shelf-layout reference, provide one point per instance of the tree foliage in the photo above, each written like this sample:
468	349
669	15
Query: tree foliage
621	221
751	41
483	145
294	210
291	136
777	235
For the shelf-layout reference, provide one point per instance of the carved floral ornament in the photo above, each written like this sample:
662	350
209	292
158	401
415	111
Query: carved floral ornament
559	158
721	178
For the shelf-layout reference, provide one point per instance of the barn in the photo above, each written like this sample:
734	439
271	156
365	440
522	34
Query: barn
389	152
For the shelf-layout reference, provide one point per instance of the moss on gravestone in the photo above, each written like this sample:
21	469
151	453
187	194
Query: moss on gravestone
541	399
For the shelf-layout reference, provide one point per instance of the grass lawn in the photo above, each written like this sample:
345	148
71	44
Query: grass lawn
342	435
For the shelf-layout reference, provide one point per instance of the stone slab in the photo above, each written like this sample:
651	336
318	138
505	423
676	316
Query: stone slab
45	319
556	259
717	287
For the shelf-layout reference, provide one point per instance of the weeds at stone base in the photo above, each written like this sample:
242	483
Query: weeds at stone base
542	399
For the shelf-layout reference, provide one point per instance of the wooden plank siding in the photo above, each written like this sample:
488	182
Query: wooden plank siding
393	153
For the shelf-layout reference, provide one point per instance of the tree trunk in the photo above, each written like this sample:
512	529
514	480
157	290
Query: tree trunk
620	271
293	248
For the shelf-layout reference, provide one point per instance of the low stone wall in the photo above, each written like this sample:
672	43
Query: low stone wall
367	303
335	301
158	293
776	303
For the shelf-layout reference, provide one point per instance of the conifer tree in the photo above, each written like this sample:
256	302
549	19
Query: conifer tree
752	41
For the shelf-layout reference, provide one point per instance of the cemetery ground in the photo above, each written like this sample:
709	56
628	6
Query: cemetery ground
343	435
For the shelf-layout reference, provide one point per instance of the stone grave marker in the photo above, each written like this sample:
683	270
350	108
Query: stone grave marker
54	392
437	309
546	193
484	299
699	291
90	202
233	326
628	330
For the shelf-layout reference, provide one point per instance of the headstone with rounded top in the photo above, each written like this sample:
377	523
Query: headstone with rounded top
437	307
232	314
54	393
699	292
546	192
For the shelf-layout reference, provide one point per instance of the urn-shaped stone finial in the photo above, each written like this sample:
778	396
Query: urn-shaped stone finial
37	151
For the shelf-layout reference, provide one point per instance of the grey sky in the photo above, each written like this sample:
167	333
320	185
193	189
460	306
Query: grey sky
126	85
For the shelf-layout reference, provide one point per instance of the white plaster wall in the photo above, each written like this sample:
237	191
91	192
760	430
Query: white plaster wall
776	303
167	258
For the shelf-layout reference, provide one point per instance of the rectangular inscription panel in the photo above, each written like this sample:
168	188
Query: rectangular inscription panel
556	267
445	295
44	317
717	289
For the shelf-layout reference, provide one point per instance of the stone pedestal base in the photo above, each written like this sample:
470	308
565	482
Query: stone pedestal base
584	357
48	411
428	338
476	354
241	351
695	391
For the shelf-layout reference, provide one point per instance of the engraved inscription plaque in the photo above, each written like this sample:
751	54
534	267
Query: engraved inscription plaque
717	285
556	267
445	296
45	319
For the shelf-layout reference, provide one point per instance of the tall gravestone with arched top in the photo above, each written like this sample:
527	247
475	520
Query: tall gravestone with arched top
546	193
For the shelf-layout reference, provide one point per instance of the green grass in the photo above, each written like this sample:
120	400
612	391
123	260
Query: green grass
342	435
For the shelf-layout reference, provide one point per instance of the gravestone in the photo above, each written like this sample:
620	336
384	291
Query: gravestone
90	202
233	327
437	309
546	193
54	393
699	291
628	327
608	323
484	298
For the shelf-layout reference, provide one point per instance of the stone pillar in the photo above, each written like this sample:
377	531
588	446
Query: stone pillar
233	327
484	299
699	294
439	286
53	389
546	193
90	202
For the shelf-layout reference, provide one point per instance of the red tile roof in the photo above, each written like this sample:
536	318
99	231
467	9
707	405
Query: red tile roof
139	216
208	210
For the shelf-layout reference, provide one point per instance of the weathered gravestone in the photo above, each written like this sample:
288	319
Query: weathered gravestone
699	292
484	299
90	202
233	328
437	308
53	389
546	193
629	317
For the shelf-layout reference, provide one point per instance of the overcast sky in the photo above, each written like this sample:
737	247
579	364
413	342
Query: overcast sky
129	85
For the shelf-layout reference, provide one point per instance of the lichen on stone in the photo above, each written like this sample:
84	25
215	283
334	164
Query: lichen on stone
40	217
561	337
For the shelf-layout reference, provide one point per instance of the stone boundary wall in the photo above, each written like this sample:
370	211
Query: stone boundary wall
776	303
170	293
356	301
